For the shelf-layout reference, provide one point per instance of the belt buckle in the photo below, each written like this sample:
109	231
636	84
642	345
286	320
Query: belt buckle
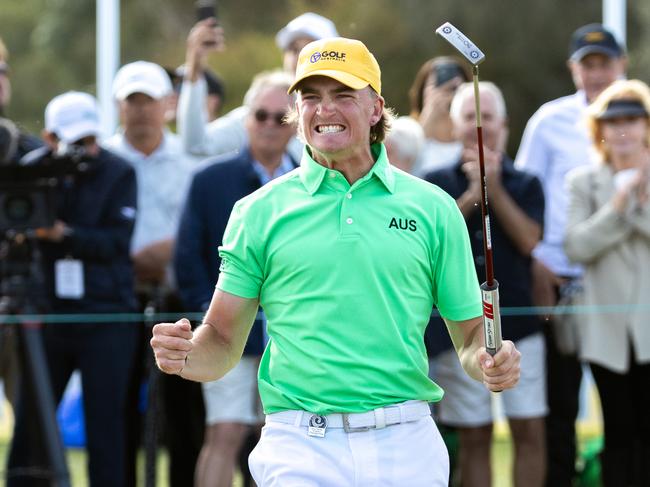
351	429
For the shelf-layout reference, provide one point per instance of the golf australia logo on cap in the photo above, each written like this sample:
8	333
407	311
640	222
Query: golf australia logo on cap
327	56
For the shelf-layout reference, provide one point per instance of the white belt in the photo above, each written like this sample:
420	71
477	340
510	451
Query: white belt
354	422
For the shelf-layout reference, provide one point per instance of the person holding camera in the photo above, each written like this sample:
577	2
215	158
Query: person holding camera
87	269
228	133
430	98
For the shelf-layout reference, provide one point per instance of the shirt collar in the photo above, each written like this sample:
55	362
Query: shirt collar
162	148
312	173
285	166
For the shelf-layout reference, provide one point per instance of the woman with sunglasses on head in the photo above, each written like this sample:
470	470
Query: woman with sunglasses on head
608	231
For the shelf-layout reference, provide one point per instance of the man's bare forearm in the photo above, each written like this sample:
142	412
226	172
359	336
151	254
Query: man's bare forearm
212	355
218	344
467	337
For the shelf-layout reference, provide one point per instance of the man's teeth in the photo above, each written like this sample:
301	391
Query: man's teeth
328	129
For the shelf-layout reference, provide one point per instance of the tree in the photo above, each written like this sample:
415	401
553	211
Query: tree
525	41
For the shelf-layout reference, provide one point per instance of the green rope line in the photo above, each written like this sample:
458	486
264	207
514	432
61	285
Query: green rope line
197	316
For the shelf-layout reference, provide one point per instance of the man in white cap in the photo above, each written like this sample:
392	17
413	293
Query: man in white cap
87	269
143	90
227	133
344	377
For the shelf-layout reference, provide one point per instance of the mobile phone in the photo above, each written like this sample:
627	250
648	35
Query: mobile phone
445	72
206	9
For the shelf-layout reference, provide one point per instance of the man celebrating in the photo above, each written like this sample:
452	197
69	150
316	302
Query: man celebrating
343	379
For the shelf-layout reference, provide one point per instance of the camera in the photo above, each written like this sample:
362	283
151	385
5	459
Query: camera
206	9
447	71
29	186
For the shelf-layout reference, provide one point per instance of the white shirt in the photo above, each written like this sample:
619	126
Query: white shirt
435	155
223	135
554	142
163	179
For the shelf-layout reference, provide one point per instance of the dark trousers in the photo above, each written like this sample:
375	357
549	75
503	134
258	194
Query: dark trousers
104	354
625	399
563	377
184	425
176	403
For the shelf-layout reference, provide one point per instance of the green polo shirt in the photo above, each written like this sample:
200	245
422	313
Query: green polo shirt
347	276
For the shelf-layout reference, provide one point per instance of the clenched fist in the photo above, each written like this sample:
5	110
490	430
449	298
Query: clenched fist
172	343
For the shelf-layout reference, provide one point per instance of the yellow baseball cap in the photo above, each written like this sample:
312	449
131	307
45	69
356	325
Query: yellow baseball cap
346	60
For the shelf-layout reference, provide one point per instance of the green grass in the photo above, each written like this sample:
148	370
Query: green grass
76	457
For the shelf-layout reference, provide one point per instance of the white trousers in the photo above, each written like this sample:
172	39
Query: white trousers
408	454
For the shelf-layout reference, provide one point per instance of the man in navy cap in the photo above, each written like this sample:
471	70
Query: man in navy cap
554	142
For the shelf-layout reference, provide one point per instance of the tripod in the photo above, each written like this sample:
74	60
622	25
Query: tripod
21	280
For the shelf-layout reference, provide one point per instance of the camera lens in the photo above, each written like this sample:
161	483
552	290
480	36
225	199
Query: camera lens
18	208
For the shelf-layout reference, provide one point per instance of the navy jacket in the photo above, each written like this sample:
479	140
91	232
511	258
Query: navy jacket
213	192
511	268
99	206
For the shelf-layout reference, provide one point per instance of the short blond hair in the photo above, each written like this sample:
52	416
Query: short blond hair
619	90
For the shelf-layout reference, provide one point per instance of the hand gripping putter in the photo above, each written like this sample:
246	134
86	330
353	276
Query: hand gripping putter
490	288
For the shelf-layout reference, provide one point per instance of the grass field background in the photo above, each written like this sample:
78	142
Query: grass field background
589	429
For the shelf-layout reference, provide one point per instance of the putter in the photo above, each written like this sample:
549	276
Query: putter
490	288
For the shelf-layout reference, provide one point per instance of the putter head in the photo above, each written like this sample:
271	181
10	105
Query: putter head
462	44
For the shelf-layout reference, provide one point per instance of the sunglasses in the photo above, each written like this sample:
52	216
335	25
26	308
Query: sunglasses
262	116
4	68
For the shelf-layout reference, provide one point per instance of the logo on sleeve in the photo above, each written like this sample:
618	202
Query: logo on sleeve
403	224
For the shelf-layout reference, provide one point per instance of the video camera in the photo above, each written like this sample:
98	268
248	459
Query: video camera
28	184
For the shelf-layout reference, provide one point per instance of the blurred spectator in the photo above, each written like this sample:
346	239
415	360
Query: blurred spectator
214	100
430	97
163	170
176	81
554	142
25	142
13	145
232	403
5	85
227	133
404	143
216	92
608	232
517	209
87	269
142	90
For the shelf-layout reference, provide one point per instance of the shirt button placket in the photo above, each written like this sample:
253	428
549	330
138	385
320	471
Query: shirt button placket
347	216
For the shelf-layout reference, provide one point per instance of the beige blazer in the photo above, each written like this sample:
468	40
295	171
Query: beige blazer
615	251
